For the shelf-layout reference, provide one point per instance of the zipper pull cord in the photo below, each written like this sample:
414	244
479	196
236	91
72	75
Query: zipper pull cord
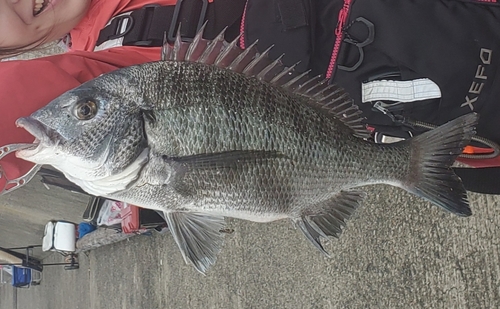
339	35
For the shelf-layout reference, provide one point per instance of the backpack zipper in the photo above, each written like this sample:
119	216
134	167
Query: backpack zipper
242	27
339	33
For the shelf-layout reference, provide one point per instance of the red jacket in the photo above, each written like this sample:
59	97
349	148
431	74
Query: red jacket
28	85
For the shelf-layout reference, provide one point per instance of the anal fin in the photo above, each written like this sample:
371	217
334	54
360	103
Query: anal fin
328	218
198	237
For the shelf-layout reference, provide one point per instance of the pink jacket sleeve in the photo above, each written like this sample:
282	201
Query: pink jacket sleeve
28	85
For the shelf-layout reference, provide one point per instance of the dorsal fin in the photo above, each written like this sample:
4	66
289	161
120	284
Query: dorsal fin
331	99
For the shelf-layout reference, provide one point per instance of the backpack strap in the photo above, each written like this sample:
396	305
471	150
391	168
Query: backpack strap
146	26
141	27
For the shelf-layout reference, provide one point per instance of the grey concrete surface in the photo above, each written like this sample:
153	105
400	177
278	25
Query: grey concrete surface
24	213
397	252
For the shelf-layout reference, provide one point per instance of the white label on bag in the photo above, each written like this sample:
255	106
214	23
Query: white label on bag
400	91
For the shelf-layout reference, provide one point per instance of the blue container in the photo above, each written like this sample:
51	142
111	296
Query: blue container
21	276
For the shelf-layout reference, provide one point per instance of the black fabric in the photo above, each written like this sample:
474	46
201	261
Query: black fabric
454	43
289	29
293	14
224	13
324	28
189	19
149	26
480	180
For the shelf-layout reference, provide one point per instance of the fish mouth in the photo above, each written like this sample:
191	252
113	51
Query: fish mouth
44	136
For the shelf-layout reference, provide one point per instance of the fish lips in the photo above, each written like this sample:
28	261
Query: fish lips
45	137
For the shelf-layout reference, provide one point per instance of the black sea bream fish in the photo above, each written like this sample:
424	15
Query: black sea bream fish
219	132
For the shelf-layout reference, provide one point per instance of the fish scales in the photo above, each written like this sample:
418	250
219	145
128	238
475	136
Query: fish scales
231	133
321	156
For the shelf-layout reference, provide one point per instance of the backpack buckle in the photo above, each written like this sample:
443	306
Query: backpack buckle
369	39
118	28
119	22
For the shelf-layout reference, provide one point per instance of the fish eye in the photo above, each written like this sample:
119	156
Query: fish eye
85	110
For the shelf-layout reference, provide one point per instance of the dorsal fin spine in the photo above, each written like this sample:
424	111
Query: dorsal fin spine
263	74
317	91
277	79
226	52
197	47
290	83
258	60
241	61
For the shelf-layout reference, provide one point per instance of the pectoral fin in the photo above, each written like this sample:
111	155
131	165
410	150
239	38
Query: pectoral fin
198	237
328	218
213	161
224	159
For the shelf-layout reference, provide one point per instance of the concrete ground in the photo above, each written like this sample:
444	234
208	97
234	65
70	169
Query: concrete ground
397	252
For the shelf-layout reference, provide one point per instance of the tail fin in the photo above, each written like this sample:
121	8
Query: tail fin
432	155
